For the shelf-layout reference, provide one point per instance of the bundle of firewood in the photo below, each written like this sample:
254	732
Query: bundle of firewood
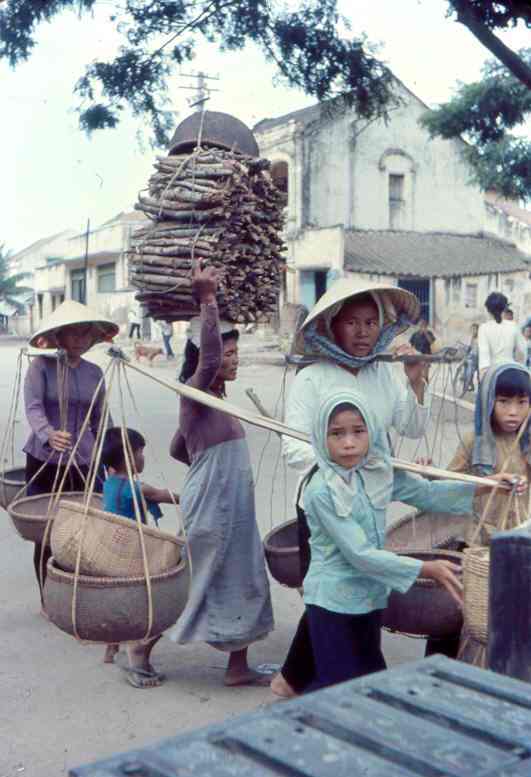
218	207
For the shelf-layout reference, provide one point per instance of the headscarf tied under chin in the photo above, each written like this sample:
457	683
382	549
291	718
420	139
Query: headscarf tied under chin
484	450
326	345
375	470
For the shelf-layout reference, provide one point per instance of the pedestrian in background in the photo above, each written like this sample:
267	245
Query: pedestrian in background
422	339
499	340
166	328
134	323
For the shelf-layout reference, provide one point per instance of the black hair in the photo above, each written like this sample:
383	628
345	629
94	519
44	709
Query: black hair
113	454
513	383
341	408
191	355
496	304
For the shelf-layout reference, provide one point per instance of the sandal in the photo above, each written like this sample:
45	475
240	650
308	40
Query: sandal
141	678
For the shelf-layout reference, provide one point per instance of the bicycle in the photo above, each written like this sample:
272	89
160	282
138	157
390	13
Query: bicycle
464	374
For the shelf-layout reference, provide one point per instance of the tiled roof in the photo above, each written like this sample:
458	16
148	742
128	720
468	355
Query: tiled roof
508	207
430	254
304	114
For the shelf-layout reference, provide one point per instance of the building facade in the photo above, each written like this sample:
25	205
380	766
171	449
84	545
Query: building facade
357	186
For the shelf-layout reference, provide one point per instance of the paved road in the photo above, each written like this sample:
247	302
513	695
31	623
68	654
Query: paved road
60	705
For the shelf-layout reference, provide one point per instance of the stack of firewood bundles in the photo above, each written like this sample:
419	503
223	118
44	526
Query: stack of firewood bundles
222	208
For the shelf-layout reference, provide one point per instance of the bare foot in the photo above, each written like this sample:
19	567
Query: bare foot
246	677
281	687
110	652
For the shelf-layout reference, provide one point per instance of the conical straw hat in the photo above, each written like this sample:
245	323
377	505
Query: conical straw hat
393	302
67	314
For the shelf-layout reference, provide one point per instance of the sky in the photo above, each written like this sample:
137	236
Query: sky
54	177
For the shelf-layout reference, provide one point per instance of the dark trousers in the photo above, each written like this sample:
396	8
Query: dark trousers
299	667
167	346
44	484
132	329
344	646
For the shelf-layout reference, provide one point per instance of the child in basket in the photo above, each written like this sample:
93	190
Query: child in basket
350	574
118	499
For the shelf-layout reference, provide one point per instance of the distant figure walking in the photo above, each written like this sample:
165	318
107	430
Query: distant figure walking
499	340
422	339
134	323
166	329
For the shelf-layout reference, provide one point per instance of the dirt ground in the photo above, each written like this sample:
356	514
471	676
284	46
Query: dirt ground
60	706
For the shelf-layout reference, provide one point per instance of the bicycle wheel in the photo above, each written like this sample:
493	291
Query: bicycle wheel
461	380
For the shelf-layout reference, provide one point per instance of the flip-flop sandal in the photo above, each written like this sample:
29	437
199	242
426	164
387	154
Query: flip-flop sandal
139	678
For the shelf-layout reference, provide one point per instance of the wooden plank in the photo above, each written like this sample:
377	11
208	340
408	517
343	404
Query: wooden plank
465	710
509	647
403	738
437	728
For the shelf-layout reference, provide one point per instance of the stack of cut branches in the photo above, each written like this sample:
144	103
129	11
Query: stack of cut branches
215	206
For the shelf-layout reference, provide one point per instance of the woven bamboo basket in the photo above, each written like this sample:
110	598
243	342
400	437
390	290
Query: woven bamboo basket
281	550
427	609
111	544
114	609
412	532
30	514
424	531
11	482
476	566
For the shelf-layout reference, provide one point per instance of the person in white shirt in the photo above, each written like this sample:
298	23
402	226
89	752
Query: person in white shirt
134	322
499	340
344	332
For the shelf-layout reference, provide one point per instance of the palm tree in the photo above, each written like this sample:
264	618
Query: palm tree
9	288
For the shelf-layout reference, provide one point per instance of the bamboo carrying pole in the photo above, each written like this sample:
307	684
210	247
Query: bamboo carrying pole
271	424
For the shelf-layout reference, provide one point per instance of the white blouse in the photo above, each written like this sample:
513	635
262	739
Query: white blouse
500	343
384	386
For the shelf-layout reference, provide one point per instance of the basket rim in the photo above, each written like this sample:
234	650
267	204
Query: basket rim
26	499
448	555
4	475
119	520
93	581
273	548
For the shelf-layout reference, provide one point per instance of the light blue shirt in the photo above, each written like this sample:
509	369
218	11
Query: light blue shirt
384	387
350	572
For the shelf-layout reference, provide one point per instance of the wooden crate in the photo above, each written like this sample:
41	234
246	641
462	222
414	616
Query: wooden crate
433	718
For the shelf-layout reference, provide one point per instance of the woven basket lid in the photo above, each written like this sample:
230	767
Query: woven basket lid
347	289
67	314
218	129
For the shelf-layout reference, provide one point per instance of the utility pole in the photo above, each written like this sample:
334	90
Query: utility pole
85	266
202	91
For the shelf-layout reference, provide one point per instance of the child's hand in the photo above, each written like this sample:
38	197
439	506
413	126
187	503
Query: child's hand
445	573
204	283
424	462
509	482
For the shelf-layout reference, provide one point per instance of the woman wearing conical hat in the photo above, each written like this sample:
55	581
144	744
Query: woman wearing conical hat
58	391
346	330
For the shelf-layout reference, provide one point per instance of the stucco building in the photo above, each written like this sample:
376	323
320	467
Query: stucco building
383	200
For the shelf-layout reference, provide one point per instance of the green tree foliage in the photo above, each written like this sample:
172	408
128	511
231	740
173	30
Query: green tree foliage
302	41
9	288
482	17
484	113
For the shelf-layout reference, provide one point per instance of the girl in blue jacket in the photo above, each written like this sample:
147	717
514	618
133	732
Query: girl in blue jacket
350	574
